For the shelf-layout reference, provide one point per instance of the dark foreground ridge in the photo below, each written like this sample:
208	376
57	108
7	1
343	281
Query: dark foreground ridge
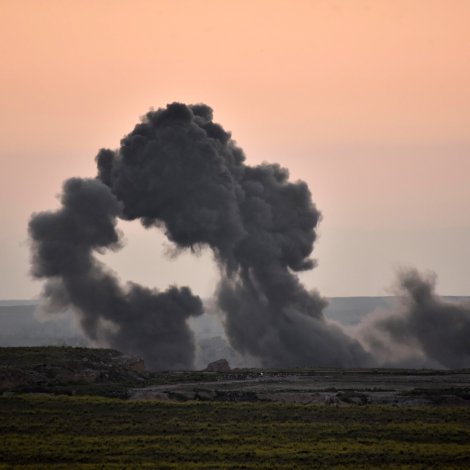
106	372
69	370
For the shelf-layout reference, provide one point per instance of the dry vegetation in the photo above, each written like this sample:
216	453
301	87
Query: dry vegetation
38	431
224	429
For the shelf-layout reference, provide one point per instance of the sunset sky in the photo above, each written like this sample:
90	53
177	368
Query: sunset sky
367	101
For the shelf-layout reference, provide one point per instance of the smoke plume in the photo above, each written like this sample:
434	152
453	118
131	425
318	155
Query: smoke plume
181	172
424	331
133	319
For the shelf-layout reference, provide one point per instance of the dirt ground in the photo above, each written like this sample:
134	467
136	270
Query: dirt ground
330	387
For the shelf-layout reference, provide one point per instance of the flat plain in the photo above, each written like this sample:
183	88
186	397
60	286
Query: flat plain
45	431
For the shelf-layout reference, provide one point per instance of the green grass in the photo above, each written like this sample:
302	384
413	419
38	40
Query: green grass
91	432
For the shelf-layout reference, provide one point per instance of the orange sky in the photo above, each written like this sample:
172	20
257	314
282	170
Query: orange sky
368	101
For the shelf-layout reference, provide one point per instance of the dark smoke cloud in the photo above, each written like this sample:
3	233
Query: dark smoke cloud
133	319
179	171
425	330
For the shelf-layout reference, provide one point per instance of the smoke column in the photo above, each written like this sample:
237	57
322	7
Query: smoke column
425	330
181	172
133	319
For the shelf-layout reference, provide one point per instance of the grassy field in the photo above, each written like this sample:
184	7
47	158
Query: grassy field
38	431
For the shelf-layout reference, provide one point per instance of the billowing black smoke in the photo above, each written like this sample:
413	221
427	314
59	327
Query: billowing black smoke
179	171
425	330
133	319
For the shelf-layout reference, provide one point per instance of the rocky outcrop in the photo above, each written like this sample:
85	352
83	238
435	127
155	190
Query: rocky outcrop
134	363
221	365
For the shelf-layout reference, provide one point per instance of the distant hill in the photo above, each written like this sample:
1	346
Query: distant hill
351	310
20	325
